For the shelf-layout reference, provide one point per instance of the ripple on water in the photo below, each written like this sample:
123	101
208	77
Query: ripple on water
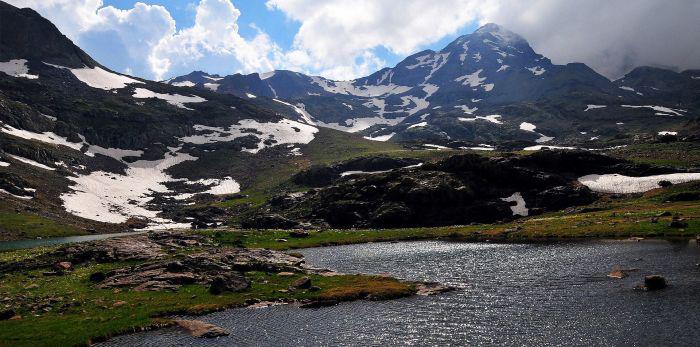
510	294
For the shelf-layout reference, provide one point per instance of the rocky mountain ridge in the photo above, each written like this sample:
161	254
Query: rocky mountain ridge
487	87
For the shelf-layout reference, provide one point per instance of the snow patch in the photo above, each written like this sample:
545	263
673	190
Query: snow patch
285	131
593	107
630	89
537	70
528	127
418	125
301	110
183	84
31	162
666	133
492	118
435	147
3	191
519	209
100	78
216	186
173	99
541	147
662	111
46	137
17	68
348	88
212	86
544	139
113	198
466	109
620	184
381	138
266	75
354	125
472	80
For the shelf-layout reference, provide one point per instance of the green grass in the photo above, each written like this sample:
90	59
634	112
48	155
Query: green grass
610	219
678	154
20	225
97	317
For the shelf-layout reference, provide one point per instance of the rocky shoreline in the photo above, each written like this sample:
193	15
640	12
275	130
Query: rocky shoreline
166	262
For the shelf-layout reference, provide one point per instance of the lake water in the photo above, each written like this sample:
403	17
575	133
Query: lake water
21	244
509	294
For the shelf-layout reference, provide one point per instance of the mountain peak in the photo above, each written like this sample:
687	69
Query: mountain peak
25	34
499	33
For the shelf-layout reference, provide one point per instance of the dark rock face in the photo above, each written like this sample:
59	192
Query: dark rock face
25	34
269	221
461	189
319	176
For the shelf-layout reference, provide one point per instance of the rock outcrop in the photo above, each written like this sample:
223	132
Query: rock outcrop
201	329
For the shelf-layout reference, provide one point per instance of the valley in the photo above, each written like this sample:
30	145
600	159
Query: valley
135	211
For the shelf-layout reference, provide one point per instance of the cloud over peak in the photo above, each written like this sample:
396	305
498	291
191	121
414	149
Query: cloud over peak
345	39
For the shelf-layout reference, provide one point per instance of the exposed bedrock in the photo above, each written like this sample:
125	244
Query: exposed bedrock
461	189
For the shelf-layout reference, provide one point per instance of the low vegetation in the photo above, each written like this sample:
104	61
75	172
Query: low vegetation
71	310
648	215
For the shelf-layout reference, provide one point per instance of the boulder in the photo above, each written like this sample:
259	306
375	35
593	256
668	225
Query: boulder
201	329
63	266
665	184
136	223
231	282
302	283
678	222
6	314
654	282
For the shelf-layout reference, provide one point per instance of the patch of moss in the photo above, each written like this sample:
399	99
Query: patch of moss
14	225
80	313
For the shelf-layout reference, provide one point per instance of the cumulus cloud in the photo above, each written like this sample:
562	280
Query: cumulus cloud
342	39
610	36
214	34
143	40
339	37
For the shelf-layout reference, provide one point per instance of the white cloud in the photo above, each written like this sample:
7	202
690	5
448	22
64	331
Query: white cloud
338	37
71	16
144	38
341	38
215	32
610	36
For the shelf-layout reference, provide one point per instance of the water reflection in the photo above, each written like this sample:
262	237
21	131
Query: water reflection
510	294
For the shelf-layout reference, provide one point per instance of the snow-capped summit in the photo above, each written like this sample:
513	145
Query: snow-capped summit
456	92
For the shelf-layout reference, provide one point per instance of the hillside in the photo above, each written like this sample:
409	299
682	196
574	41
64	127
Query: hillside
488	87
95	150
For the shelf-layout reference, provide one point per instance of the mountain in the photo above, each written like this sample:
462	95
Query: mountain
487	87
95	149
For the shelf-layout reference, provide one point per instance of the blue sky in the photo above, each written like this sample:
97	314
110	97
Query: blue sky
346	39
274	23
